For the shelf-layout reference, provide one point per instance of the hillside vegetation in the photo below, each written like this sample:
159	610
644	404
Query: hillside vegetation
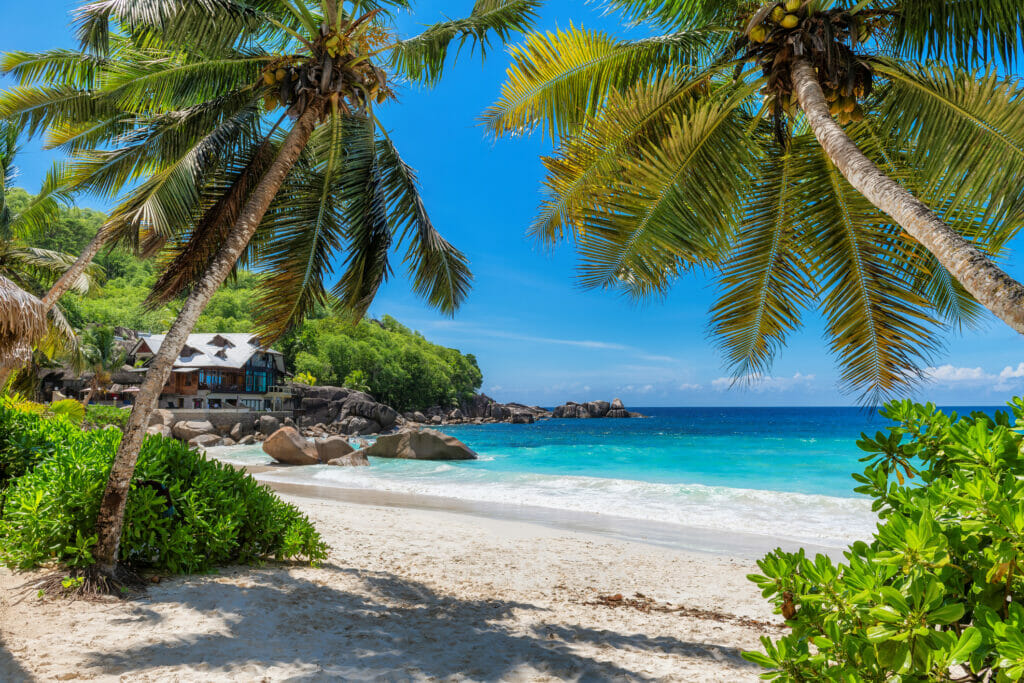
397	365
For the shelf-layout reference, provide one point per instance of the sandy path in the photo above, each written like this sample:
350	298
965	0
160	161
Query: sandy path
406	595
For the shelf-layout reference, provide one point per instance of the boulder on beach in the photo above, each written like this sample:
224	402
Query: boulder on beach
423	444
332	448
287	446
161	416
161	429
358	426
205	441
186	431
246	440
268	424
240	430
353	459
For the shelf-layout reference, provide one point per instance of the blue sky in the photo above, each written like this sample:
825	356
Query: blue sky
538	337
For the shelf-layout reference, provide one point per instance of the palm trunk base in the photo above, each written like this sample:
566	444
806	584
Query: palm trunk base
93	582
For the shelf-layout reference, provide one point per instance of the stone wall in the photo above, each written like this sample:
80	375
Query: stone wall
224	419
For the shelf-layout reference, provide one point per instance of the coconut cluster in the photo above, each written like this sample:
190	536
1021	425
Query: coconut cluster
339	71
780	31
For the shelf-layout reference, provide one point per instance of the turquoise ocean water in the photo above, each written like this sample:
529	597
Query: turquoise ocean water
771	471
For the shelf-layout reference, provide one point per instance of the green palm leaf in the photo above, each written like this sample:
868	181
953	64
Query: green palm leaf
880	326
421	58
438	271
764	283
557	79
304	229
964	136
367	233
675	201
586	163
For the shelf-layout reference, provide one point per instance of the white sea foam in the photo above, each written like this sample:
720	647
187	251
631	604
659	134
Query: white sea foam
817	519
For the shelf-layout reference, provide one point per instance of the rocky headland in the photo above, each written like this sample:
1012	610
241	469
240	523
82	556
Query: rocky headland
323	412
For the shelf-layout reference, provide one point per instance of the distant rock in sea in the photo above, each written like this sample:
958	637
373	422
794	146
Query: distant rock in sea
593	409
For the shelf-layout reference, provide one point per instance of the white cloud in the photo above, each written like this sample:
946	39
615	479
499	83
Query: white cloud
689	387
1011	373
761	383
950	374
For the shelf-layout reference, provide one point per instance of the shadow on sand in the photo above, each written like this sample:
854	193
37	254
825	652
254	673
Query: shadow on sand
399	630
10	669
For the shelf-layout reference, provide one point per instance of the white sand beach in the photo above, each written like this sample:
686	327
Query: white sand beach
409	594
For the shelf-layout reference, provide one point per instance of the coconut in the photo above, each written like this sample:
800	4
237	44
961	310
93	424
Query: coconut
793	5
790	21
758	34
778	14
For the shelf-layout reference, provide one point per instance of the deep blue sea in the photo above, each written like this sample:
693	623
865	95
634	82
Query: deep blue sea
773	471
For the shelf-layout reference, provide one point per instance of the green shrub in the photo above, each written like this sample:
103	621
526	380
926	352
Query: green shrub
26	439
219	515
936	595
106	416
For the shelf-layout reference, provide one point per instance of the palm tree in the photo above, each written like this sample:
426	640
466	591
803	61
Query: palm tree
247	130
780	144
102	355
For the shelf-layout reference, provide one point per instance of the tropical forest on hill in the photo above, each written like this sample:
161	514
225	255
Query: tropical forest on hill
395	364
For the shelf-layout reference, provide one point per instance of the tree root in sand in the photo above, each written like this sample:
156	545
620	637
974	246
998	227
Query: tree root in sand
90	583
643	603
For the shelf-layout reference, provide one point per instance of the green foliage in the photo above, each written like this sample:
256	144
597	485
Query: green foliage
25	439
395	364
941	584
106	416
68	408
356	380
306	378
219	515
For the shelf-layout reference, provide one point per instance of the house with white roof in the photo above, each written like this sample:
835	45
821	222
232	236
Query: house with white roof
219	370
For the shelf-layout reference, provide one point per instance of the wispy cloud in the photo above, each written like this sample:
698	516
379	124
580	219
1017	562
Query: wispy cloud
759	383
689	387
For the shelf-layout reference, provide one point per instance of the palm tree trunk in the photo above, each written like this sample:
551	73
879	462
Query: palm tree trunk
89	393
111	513
64	282
993	288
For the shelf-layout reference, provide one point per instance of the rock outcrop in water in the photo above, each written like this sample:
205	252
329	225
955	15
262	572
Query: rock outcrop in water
593	409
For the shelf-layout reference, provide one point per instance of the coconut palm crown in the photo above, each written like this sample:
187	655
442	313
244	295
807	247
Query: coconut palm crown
786	146
176	108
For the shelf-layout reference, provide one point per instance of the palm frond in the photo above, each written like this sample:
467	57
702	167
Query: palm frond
584	164
559	78
69	68
970	32
674	202
304	229
367	233
48	264
963	133
210	25
421	58
676	14
438	271
190	252
879	325
764	283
